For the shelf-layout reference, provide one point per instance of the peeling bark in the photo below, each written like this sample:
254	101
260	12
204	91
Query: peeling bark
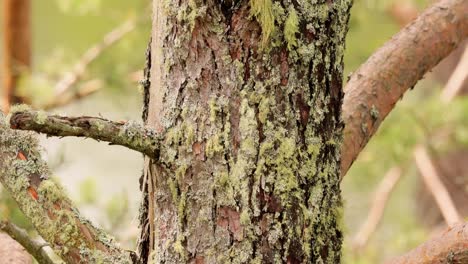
250	169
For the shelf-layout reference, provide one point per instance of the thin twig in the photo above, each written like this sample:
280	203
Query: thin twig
86	89
381	197
34	247
70	78
457	79
129	134
435	186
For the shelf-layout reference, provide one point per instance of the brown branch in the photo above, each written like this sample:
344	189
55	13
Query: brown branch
90	55
129	134
12	252
381	197
378	84
435	186
450	247
16	47
34	247
25	175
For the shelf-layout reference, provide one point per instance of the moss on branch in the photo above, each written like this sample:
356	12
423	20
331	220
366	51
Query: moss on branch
25	176
129	134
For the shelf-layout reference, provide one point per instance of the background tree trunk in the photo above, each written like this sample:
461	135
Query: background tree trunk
16	47
250	95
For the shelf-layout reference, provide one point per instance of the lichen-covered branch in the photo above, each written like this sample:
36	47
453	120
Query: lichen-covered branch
378	84
450	247
129	134
34	247
25	176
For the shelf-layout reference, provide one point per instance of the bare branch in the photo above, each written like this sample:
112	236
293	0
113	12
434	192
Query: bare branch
26	177
435	186
12	252
129	134
381	197
450	247
86	89
378	84
457	79
92	54
34	247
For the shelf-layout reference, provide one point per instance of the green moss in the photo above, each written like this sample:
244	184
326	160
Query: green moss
262	10
291	28
50	191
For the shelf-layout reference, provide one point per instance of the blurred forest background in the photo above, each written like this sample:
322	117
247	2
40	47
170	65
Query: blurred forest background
104	181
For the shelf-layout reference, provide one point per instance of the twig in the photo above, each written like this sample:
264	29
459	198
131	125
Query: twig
88	88
435	186
25	175
90	55
381	197
450	247
381	81
129	134
34	247
456	80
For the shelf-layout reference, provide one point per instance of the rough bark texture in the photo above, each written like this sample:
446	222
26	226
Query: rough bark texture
250	106
16	46
377	85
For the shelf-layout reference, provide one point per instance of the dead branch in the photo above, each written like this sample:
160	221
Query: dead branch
457	79
72	77
25	175
16	47
379	83
86	89
381	197
34	247
435	186
450	247
129	134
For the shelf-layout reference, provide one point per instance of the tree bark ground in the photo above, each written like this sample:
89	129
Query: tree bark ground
251	109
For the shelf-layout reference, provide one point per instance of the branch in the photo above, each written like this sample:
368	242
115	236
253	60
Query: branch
381	197
34	247
379	83
26	177
12	252
450	247
129	134
92	54
435	186
88	88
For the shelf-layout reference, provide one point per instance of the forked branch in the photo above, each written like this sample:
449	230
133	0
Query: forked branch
25	176
129	134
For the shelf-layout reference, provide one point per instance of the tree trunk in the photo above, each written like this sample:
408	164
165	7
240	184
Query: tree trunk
249	94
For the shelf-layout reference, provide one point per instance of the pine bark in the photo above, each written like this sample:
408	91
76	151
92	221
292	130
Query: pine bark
249	96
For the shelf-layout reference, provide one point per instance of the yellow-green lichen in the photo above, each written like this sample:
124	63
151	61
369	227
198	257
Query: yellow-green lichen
291	28
262	10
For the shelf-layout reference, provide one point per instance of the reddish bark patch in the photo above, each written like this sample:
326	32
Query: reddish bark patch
229	219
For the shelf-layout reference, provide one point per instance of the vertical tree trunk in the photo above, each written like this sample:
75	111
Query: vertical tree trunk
16	47
249	94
